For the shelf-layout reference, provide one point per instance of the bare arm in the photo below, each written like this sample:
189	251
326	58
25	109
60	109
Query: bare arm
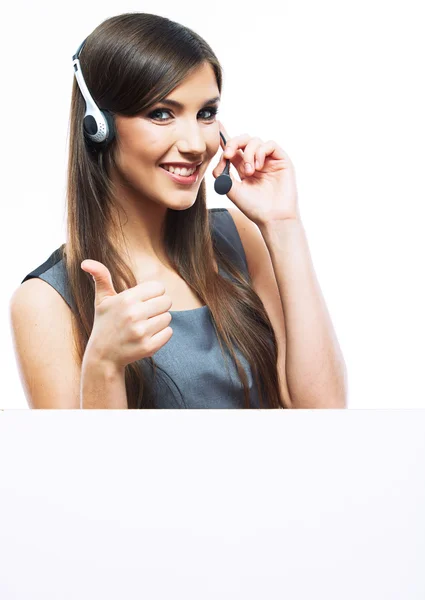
51	376
102	383
315	367
41	329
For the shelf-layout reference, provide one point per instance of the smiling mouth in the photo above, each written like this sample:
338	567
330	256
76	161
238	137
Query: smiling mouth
174	173
183	179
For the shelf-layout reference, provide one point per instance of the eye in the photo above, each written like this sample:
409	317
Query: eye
213	110
153	114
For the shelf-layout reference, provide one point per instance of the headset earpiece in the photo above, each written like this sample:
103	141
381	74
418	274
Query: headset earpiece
99	128
98	125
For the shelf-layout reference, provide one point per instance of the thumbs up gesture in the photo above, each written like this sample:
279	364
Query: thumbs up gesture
129	325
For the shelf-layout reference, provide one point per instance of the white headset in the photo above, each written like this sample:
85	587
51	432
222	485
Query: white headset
98	125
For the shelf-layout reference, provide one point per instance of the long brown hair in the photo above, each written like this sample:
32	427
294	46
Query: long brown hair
130	62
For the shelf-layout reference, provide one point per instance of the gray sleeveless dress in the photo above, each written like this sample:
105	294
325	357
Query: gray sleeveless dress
191	371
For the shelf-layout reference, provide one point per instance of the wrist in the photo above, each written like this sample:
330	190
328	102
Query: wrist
102	384
94	359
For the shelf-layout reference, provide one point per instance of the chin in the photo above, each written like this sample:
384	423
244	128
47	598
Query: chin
183	206
182	202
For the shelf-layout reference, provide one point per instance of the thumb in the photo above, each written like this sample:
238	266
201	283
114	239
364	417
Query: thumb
103	285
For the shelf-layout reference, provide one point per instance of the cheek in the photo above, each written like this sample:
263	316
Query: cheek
143	143
215	147
137	158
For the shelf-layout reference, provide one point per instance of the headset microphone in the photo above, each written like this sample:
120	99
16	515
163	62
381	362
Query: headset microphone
223	183
99	127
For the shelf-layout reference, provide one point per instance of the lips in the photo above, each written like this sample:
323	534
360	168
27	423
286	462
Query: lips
188	180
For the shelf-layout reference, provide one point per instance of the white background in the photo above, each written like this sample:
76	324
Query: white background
224	505
339	85
195	505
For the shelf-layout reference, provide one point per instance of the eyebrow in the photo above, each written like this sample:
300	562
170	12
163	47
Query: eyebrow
178	105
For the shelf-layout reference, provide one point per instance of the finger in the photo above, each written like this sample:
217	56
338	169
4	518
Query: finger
234	153
239	157
271	148
155	306
219	167
237	161
146	290
260	156
236	143
249	155
103	285
259	159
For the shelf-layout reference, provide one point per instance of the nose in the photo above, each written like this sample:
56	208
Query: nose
191	139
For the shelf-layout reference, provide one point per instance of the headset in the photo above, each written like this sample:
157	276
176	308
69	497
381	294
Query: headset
99	127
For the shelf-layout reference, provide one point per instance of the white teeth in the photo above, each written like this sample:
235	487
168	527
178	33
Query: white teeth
179	171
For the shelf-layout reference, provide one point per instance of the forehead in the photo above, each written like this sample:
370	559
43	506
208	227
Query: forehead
200	82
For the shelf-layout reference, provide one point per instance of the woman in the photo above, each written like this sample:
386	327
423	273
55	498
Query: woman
141	240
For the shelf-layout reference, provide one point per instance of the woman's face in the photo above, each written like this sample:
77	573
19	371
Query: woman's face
169	133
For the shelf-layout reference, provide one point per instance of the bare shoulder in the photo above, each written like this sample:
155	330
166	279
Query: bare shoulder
41	327
264	283
36	298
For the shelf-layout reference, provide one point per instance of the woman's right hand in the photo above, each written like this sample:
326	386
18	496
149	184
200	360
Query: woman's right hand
129	325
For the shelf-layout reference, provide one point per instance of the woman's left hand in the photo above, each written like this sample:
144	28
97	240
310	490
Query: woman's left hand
268	191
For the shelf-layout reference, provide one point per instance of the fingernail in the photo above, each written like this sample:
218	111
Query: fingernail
248	167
